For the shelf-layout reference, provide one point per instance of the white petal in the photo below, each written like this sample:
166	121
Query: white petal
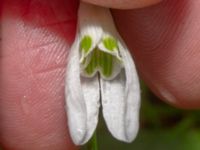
89	24
95	21
121	100
117	68
114	52
91	93
82	99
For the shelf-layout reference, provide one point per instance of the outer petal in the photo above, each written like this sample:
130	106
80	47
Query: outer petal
89	24
82	99
121	100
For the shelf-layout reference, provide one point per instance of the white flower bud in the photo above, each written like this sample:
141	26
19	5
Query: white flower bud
100	64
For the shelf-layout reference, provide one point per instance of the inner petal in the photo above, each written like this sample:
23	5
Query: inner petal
106	64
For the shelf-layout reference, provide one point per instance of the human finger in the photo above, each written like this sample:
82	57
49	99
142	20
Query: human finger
164	40
36	36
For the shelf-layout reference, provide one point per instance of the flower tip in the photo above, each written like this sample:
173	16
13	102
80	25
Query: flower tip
128	135
78	140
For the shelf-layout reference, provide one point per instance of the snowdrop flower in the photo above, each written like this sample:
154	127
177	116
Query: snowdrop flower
100	70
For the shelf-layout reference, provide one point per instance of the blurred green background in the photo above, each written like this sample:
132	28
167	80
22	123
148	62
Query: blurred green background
163	127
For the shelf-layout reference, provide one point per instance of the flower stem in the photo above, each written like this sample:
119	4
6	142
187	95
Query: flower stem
92	144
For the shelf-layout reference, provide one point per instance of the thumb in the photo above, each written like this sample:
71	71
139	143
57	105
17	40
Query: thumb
123	4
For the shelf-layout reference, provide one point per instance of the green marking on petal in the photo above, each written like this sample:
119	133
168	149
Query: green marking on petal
110	43
110	65
107	65
101	61
86	43
91	68
84	61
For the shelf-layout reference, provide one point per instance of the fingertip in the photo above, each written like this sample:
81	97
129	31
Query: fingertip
33	58
179	97
126	4
165	49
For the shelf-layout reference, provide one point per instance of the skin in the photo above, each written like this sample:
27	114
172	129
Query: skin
36	38
123	4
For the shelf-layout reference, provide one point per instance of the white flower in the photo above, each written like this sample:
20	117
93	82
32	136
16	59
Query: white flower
100	67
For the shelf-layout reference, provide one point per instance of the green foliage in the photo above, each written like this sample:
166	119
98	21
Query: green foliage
158	139
92	144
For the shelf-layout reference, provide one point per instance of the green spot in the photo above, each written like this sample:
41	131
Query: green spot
84	61
110	65
107	64
86	43
91	68
110	43
102	61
